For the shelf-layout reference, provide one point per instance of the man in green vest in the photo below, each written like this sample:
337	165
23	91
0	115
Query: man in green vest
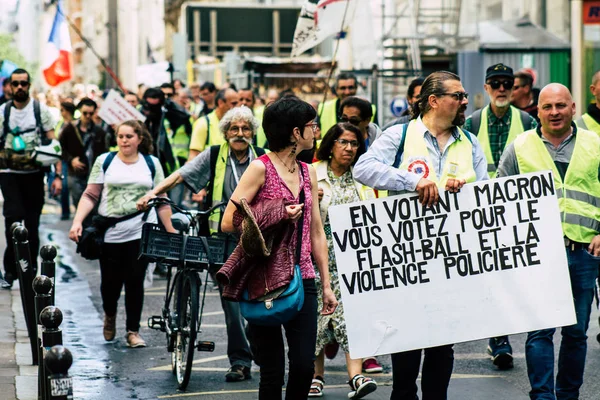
591	119
430	152
498	124
573	154
220	167
206	132
329	112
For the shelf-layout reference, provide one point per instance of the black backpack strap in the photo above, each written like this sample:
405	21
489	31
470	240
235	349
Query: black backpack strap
151	166
109	159
207	130
259	151
525	119
214	155
38	117
475	122
5	127
401	147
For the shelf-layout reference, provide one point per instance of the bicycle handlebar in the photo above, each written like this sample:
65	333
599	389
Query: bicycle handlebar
157	201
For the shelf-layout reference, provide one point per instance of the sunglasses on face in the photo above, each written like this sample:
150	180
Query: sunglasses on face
347	88
353	121
16	84
460	96
495	84
87	113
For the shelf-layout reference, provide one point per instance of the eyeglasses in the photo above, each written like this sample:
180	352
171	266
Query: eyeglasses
235	129
16	84
460	96
87	113
346	88
508	84
343	142
353	121
314	126
169	94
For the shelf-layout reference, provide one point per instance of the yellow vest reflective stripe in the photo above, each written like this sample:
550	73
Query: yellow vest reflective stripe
590	123
516	127
459	159
328	115
214	220
579	193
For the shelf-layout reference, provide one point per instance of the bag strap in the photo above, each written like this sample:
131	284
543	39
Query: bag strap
38	118
5	127
526	119
301	220
476	121
401	147
111	156
207	130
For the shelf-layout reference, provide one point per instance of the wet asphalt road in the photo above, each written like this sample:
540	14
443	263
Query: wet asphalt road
112	371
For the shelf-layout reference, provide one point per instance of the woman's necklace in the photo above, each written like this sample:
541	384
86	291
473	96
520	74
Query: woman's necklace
290	170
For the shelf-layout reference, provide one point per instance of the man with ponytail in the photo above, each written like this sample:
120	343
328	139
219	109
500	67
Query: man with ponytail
428	153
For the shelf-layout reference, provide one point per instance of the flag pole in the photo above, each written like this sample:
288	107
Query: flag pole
332	67
89	46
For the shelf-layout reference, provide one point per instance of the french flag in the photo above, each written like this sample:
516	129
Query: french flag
56	64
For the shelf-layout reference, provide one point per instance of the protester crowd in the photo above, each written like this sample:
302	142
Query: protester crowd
291	160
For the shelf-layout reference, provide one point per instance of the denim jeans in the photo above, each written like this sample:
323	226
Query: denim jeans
238	348
539	347
437	369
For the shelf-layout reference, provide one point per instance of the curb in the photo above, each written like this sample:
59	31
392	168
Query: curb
26	380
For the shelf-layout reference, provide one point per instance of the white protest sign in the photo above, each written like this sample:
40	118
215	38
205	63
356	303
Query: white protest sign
487	261
115	110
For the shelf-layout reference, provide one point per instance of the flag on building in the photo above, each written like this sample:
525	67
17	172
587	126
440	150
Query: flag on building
56	64
318	20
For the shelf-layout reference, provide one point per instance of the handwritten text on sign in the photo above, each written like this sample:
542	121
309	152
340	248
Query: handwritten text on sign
484	262
115	110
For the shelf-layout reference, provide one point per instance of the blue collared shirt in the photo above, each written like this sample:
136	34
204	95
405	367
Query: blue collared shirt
375	168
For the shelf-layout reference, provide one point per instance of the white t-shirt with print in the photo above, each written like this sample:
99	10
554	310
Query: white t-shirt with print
123	185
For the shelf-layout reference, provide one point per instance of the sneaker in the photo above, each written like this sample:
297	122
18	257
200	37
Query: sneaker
371	366
110	328
7	281
501	352
134	339
4	284
331	349
237	373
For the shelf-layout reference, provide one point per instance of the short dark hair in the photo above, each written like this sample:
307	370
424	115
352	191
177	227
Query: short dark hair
86	101
333	134
130	92
221	95
69	107
167	85
415	83
526	78
282	116
346	75
154	93
208	86
287	93
20	71
5	81
364	106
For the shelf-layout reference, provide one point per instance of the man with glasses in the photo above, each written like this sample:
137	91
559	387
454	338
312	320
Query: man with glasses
524	95
329	112
82	142
359	112
24	125
496	126
428	153
220	167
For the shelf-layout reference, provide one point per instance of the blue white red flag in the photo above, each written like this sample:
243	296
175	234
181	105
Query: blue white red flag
56	64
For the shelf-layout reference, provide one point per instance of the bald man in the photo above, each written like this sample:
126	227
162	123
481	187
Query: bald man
591	119
573	154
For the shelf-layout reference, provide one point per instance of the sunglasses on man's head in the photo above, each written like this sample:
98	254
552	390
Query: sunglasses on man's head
19	83
508	84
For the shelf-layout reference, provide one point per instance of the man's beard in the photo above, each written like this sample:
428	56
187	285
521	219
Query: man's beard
21	96
459	119
502	104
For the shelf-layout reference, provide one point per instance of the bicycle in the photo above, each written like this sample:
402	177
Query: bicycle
190	254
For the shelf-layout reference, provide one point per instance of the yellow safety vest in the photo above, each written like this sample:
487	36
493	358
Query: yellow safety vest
203	135
459	161
579	193
180	141
328	115
214	220
587	122
516	127
261	137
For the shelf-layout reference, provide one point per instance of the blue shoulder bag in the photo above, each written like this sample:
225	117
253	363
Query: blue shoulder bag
281	305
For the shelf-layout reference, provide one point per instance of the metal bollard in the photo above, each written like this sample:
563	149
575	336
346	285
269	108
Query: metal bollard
51	317
42	286
26	272
58	360
48	254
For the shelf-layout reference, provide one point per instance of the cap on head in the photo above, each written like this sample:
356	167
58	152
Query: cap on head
498	70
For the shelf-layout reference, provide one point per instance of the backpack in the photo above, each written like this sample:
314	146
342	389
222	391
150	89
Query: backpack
111	156
476	121
38	122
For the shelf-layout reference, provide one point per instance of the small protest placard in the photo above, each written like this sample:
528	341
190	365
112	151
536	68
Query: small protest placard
115	110
484	262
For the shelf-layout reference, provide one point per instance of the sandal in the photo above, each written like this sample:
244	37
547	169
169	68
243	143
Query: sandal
367	385
316	388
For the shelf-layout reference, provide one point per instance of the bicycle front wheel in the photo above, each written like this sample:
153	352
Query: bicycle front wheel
186	336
